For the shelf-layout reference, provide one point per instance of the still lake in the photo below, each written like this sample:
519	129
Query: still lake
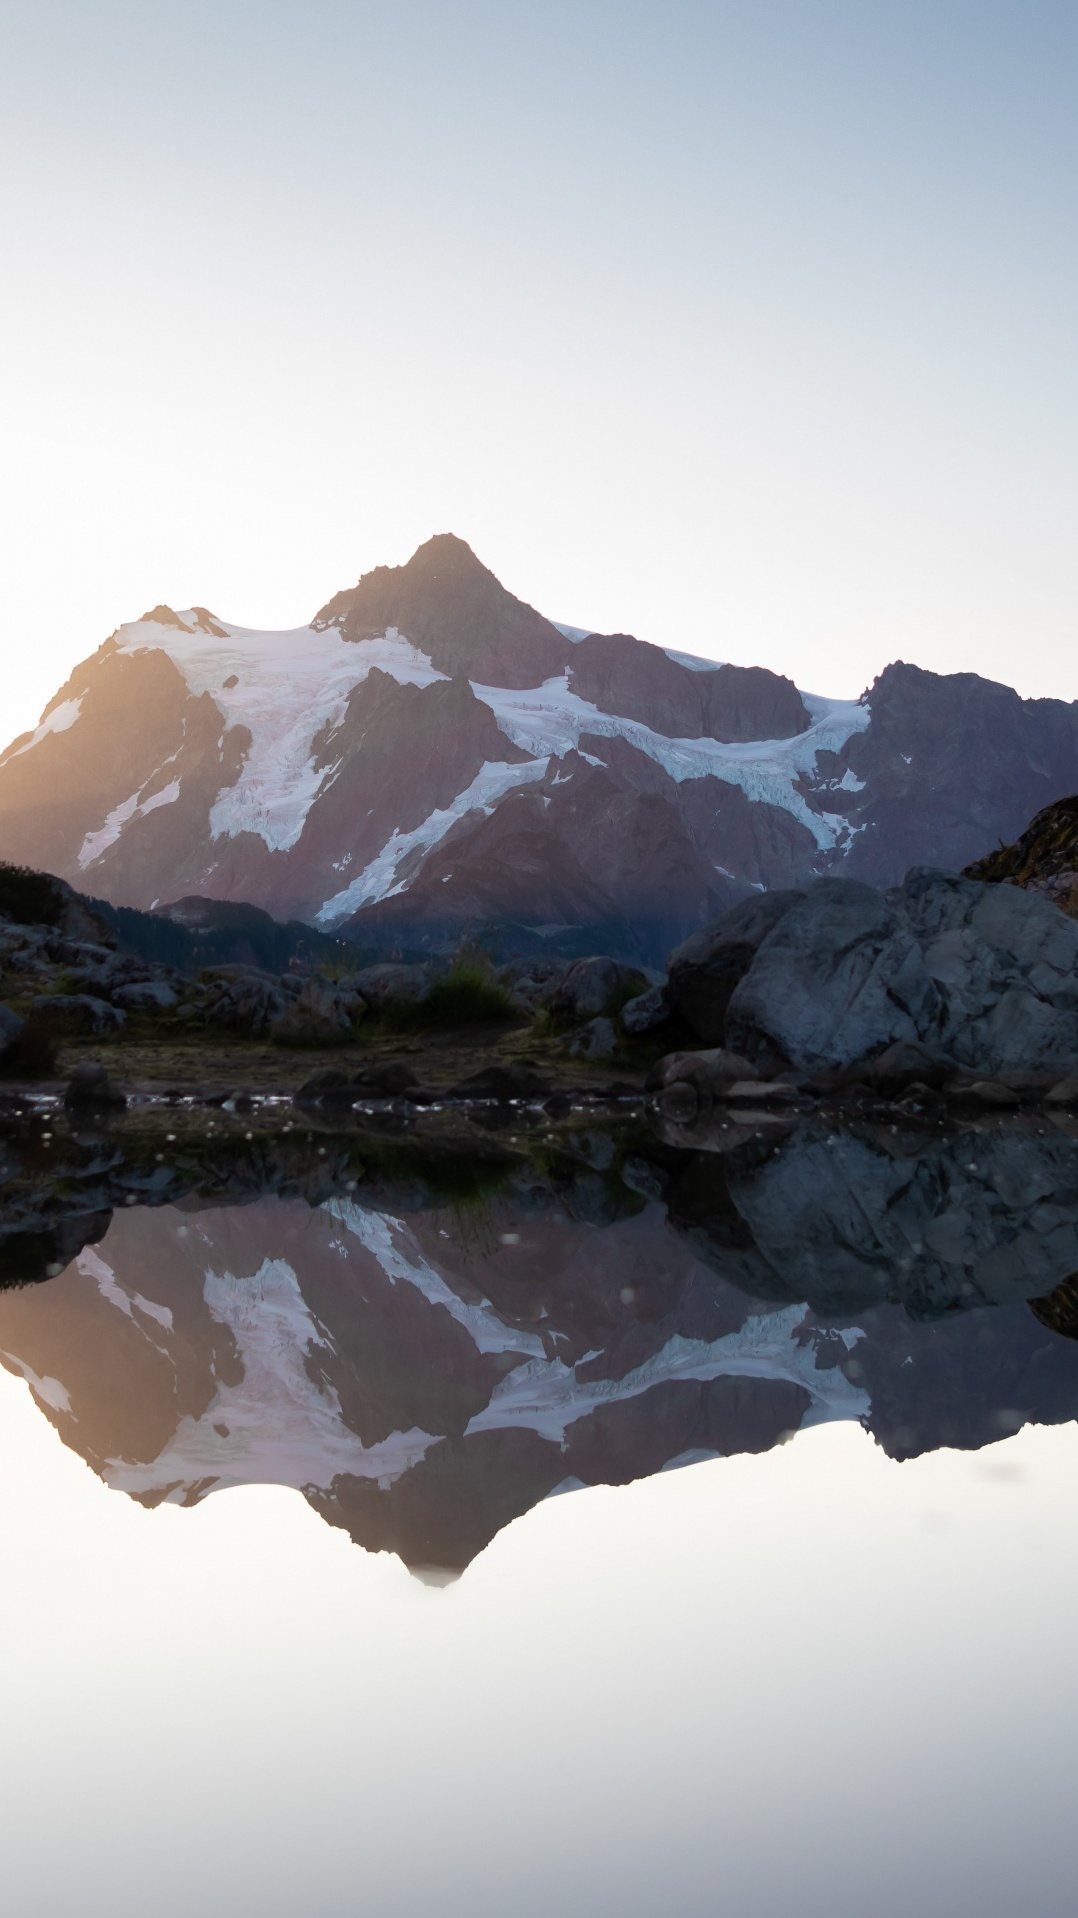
634	1531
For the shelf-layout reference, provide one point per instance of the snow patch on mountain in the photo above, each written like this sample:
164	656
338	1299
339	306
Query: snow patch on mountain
379	878
60	720
546	1396
285	688
550	719
95	843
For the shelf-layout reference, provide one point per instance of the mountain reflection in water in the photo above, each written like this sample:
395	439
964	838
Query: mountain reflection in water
425	1364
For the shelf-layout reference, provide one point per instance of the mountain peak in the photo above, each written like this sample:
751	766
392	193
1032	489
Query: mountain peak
454	609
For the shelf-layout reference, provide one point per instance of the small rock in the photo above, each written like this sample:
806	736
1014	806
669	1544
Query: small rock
646	1012
91	1087
498	1082
989	1092
152	995
1065	1093
904	1064
596	1040
711	1071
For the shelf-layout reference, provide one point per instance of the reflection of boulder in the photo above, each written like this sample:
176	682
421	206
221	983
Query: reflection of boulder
850	1220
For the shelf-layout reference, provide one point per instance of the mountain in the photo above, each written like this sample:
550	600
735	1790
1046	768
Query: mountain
431	754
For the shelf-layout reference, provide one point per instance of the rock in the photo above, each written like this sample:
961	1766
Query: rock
596	1040
646	1012
248	1003
840	977
386	1080
714	1070
686	1085
11	1031
1065	1093
592	985
499	1082
91	1087
316	1017
153	995
81	1012
989	1092
705	970
1005	964
383	985
330	1086
756	1092
904	1064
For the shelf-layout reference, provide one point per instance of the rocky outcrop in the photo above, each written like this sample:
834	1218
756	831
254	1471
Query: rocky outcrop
986	976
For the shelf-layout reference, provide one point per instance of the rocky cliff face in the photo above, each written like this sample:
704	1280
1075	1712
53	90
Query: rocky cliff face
431	752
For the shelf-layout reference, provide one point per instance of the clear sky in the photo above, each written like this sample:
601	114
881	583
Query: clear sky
749	328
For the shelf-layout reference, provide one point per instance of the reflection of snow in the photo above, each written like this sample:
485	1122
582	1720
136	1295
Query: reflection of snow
379	879
546	1396
395	1249
278	1426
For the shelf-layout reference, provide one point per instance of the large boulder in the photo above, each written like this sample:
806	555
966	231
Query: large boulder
706	969
243	999
838	978
592	986
1005	964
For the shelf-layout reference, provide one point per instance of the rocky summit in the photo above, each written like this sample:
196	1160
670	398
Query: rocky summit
431	754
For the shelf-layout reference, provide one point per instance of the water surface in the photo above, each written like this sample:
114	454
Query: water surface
635	1527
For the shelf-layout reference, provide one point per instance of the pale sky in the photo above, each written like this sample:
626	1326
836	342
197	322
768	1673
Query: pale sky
748	328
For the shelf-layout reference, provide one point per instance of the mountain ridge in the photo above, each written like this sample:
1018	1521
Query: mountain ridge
430	754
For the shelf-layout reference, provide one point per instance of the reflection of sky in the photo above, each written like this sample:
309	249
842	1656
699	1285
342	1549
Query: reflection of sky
745	327
812	1680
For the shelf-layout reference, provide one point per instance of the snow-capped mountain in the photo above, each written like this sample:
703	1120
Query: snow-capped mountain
430	753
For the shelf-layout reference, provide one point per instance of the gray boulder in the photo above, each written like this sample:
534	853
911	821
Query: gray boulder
318	1016
840	977
706	969
1005	965
389	983
247	1003
591	985
151	995
596	1040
